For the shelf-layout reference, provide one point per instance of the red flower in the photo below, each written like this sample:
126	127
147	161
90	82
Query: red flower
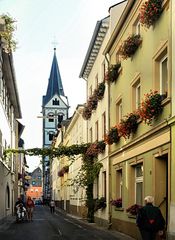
150	11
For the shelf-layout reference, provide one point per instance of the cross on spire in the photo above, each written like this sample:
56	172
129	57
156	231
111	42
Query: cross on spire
55	43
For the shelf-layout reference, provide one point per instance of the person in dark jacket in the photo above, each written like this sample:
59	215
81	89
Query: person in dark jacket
150	220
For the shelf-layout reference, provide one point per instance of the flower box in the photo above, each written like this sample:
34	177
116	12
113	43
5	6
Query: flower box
113	73
117	203
151	107
129	46
100	91
128	125
133	210
100	203
112	136
150	12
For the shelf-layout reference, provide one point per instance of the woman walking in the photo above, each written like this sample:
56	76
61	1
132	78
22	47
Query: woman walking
30	206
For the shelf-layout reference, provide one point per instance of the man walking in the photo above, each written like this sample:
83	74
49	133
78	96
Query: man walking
52	206
150	220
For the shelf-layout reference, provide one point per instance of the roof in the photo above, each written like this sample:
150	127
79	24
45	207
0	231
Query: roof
55	83
119	25
94	46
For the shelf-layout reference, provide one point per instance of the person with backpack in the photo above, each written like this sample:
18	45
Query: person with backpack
150	220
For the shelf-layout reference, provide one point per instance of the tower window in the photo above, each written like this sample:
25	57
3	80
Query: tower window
56	102
51	136
51	117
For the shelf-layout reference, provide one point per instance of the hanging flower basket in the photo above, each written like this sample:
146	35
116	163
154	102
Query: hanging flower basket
150	12
133	210
129	46
117	203
151	107
128	125
112	136
101	91
113	73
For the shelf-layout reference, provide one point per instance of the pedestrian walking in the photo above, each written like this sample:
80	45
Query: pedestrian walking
30	207
52	206
150	220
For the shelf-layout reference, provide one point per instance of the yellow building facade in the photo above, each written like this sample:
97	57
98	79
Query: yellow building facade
141	161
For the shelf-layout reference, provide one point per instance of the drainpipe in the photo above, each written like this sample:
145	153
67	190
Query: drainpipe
109	162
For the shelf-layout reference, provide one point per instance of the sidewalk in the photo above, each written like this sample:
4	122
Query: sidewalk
6	222
117	234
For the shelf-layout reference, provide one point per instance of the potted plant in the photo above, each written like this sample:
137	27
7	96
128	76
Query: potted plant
112	136
100	203
129	46
151	107
150	11
117	203
133	210
128	125
113	73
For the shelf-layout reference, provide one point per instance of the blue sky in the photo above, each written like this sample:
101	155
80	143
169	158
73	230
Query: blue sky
71	23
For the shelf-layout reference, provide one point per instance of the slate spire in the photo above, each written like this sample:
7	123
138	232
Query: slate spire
55	85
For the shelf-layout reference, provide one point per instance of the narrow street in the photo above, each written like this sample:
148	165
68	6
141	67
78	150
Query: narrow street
47	226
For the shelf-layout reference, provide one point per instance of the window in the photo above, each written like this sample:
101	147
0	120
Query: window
51	134
7	197
103	70
96	131
119	111
161	80
51	117
104	184
96	81
55	102
139	184
119	183
90	135
137	27
136	94
164	75
90	91
104	124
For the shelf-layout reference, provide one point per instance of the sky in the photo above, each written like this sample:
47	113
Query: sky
40	23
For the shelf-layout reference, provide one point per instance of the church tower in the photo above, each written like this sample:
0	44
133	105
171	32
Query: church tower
54	110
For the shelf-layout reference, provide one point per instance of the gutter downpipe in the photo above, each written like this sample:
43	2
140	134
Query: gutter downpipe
109	163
